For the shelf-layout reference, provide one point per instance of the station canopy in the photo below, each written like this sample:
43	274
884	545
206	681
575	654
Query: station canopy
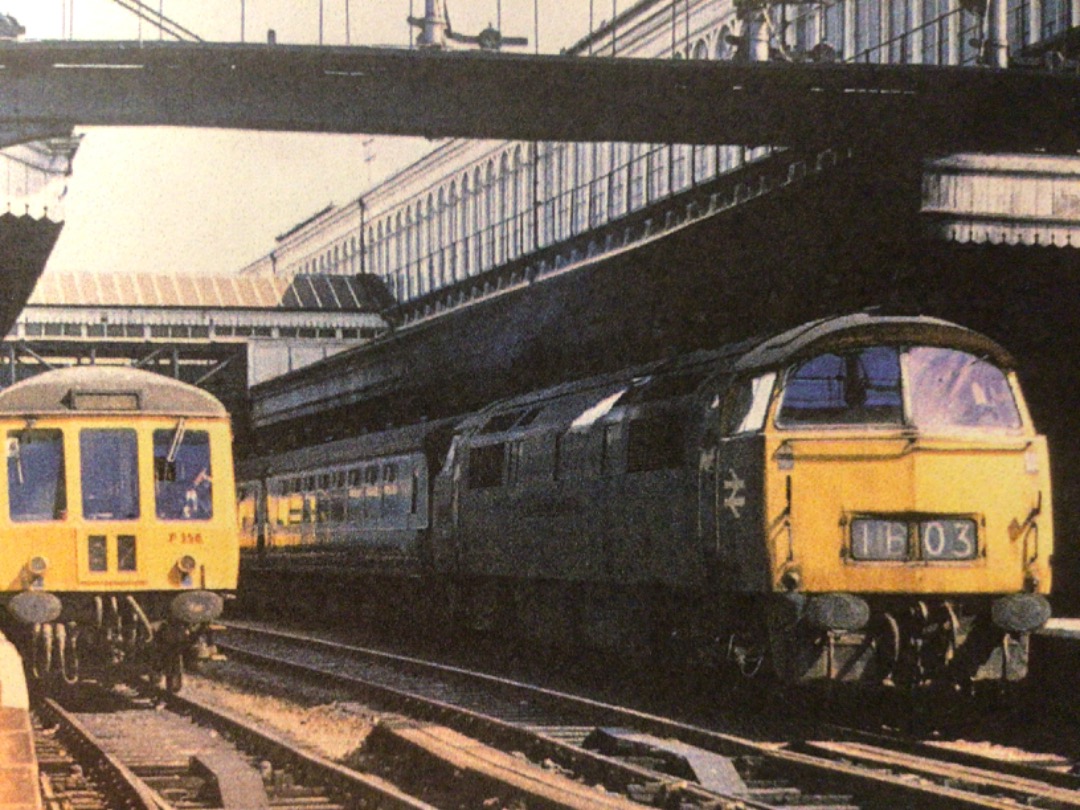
360	293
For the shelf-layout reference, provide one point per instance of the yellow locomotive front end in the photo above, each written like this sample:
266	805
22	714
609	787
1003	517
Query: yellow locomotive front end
905	504
118	520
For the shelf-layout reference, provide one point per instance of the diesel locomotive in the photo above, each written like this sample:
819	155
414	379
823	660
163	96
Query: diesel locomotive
860	499
118	522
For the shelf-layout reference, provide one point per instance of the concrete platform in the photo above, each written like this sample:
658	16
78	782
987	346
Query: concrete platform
1062	628
19	786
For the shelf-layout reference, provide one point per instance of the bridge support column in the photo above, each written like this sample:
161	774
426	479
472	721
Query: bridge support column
997	33
1035	23
757	37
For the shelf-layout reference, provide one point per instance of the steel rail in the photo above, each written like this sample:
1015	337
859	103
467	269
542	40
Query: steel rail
870	779
355	784
125	788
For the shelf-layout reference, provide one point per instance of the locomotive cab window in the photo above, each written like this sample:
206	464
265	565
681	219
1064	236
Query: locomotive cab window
109	473
860	387
182	475
36	489
955	389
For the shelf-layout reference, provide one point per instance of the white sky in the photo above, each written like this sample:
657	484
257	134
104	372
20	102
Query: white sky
210	201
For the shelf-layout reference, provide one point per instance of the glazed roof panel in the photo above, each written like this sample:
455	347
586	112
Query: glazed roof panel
305	292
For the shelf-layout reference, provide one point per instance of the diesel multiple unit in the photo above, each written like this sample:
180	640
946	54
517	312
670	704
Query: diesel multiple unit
118	520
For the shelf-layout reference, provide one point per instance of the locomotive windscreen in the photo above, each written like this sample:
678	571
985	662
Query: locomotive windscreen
922	386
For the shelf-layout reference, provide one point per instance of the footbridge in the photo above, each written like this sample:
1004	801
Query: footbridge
53	86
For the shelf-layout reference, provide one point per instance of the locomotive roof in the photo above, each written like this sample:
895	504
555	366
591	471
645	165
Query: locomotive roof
864	329
102	389
566	401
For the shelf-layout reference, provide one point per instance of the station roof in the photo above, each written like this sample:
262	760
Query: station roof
323	293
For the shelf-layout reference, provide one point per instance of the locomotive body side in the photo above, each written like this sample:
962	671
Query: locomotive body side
120	518
572	513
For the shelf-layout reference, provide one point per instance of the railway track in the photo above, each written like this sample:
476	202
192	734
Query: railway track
654	760
116	751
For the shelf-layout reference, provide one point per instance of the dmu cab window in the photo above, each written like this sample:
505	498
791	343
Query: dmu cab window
859	387
109	474
36	489
182	479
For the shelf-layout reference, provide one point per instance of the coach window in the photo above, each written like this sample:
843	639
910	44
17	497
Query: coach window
36	489
747	404
110	474
182	480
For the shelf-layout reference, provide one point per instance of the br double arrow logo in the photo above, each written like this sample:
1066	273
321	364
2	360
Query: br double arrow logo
734	486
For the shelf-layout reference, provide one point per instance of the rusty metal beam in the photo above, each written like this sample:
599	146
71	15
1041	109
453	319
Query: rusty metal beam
514	96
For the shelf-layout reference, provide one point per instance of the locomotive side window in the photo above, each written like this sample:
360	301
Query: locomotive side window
182	475
338	507
654	443
513	461
747	404
36	489
486	466
609	448
860	387
110	473
951	388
